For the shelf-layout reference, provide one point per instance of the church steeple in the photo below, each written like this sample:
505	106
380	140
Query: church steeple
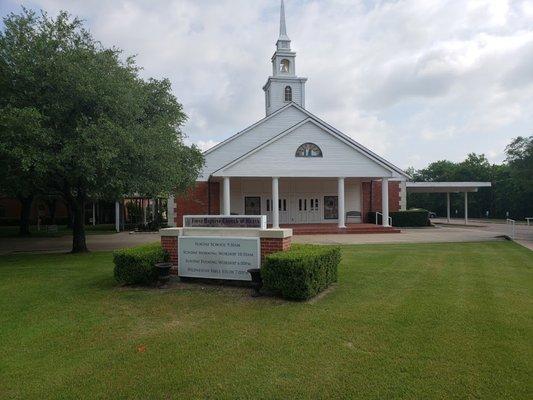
283	86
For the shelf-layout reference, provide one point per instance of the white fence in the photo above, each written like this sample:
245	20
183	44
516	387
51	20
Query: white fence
511	228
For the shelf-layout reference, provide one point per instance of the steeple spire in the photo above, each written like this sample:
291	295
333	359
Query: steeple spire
282	24
283	41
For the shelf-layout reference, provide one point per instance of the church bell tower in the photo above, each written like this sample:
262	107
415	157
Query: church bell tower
283	86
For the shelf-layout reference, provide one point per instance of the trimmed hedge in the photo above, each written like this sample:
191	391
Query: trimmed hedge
135	266
414	217
409	218
302	272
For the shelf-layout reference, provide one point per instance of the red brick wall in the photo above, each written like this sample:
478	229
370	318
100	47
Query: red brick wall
268	246
196	201
170	244
372	198
11	207
272	245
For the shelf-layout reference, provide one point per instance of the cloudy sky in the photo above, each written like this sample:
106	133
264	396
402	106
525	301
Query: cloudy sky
415	80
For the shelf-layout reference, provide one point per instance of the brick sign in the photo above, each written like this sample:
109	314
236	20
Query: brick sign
223	221
218	257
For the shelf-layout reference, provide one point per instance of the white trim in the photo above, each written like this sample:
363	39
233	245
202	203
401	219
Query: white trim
445	187
244	232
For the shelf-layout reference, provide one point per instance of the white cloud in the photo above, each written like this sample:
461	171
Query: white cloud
414	80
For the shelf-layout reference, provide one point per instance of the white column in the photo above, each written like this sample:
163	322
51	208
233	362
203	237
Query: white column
466	208
275	203
170	211
385	201
144	211
448	206
117	216
94	214
226	210
340	193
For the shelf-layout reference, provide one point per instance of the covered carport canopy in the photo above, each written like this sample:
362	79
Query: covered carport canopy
447	187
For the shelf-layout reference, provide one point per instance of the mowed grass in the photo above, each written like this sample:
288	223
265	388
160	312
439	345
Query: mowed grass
405	321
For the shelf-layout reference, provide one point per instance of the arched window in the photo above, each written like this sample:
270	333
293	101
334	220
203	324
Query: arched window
288	93
308	150
284	66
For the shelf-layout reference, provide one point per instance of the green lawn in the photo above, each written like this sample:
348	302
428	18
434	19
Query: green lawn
438	321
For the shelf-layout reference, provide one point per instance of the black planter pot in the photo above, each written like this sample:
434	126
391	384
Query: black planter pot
164	273
257	282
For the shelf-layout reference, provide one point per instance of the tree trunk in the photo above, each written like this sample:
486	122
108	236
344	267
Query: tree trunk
25	212
78	227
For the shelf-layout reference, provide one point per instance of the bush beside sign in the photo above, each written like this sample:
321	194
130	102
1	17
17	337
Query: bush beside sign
136	265
302	272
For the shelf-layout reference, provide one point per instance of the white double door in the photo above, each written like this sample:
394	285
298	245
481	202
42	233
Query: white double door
293	209
306	209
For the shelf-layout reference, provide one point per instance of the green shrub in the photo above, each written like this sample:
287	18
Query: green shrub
415	217
301	272
135	266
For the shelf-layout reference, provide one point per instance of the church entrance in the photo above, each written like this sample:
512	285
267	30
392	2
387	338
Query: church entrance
306	210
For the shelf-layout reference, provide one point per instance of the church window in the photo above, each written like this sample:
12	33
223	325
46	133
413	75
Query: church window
284	65
308	150
268	98
288	93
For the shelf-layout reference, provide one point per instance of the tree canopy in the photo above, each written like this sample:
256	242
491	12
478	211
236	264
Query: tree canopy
512	183
85	119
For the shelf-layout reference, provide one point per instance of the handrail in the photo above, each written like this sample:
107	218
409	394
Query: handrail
379	213
511	228
528	219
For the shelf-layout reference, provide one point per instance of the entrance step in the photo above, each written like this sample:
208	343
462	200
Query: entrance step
332	229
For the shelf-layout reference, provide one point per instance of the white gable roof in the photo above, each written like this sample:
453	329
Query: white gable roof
264	144
277	157
249	138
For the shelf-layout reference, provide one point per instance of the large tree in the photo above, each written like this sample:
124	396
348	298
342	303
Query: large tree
110	133
520	162
23	158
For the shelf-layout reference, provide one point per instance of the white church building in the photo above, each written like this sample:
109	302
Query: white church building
294	167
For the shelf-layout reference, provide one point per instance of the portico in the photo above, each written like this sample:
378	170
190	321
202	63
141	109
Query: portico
299	200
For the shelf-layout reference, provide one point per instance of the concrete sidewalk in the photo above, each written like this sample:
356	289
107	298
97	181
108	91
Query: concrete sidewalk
105	242
439	234
410	235
523	234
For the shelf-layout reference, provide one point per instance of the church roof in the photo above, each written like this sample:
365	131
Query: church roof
310	118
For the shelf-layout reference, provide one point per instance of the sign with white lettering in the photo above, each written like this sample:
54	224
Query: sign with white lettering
225	221
218	257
